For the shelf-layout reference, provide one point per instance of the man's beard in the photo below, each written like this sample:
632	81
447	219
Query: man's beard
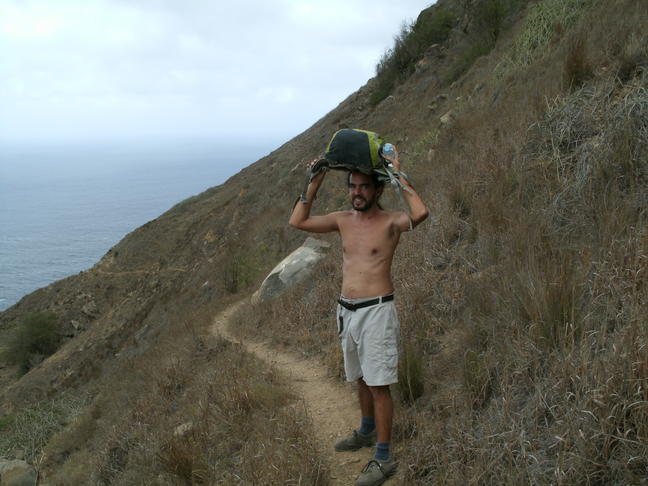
367	206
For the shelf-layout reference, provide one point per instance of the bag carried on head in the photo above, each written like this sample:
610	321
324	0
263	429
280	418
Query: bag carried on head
356	151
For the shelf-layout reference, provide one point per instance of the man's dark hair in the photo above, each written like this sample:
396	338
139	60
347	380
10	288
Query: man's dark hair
374	178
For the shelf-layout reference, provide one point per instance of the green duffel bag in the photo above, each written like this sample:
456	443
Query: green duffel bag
355	150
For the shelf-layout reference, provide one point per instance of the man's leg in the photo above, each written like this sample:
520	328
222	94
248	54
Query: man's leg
365	397
383	465
383	406
368	422
365	436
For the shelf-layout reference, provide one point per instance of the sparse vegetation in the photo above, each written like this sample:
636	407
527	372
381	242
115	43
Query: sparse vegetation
209	414
432	27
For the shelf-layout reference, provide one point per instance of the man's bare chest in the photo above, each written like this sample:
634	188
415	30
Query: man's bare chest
376	239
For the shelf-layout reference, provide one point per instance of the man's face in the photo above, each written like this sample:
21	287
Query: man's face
362	191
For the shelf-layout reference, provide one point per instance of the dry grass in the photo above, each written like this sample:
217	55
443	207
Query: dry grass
577	66
524	299
554	318
25	432
208	413
244	432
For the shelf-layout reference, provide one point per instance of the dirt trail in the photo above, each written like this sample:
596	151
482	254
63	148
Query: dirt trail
332	406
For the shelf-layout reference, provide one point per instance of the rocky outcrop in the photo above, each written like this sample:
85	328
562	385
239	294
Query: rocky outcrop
292	269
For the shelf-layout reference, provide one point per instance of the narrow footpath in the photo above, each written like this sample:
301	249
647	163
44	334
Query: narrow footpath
331	405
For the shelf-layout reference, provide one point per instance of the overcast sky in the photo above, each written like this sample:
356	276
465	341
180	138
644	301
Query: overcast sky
89	69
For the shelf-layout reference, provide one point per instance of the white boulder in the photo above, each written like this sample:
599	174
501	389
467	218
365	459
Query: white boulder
292	269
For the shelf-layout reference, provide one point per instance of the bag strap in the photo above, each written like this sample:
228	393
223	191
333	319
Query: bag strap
385	173
311	172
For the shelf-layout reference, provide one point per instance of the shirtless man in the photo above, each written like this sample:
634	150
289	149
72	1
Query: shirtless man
367	322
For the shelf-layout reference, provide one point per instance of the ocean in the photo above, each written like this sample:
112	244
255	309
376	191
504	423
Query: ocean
63	206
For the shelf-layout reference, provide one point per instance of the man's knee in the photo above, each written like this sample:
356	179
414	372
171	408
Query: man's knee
380	392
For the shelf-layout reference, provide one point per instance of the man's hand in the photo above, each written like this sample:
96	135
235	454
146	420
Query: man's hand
319	177
417	210
301	218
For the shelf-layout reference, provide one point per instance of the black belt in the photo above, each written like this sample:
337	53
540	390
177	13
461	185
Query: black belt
367	303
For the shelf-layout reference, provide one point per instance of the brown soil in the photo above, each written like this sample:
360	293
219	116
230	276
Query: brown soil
331	405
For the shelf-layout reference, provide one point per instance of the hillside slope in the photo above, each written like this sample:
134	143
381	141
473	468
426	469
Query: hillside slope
524	125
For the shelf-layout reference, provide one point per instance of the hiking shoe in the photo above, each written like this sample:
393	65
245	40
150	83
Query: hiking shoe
356	441
376	472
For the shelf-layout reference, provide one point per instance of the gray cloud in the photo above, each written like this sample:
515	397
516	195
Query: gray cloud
94	68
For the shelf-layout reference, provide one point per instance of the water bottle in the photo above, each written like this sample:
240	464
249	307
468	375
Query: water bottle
388	150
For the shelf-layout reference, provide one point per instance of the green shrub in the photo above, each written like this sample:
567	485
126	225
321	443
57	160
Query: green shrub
244	267
431	28
36	338
490	17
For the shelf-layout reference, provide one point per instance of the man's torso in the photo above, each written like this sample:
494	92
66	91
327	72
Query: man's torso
368	249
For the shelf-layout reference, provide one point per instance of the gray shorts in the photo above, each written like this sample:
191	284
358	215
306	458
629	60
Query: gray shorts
369	338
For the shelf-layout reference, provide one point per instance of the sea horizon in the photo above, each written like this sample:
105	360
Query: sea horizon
64	205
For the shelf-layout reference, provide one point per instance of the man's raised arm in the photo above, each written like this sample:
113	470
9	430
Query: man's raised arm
417	210
301	218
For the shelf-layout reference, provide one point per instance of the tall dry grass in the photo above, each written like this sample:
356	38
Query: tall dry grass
524	299
555	337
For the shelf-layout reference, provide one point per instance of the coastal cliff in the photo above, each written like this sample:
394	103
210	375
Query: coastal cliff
524	126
